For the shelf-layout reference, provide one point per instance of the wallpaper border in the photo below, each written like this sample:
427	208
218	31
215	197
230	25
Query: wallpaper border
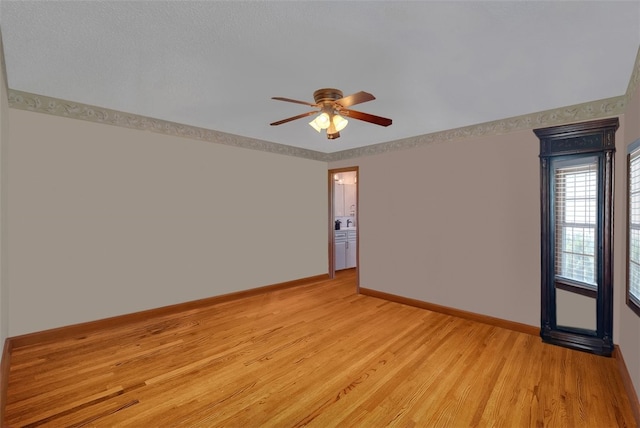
57	107
563	115
560	116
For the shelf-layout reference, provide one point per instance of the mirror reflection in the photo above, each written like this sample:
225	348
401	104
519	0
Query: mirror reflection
344	191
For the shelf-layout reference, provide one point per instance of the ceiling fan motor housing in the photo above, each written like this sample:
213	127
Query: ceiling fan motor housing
327	95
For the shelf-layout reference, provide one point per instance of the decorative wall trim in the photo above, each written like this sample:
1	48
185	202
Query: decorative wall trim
4	377
3	65
74	330
635	77
78	330
564	115
628	383
586	111
484	319
41	104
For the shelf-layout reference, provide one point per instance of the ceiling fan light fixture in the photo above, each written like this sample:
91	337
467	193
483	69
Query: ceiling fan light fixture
315	126
321	121
339	122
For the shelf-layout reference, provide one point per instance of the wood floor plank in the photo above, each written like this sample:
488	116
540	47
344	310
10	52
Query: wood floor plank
317	355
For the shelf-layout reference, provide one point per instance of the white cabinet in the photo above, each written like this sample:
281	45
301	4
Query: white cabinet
340	249
341	256
345	249
351	249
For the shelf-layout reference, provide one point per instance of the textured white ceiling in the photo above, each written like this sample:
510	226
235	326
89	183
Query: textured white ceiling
216	64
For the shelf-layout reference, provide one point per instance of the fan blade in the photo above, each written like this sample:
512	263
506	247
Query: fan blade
353	99
289	100
300	116
382	121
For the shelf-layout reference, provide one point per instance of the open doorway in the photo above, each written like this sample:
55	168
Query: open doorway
343	220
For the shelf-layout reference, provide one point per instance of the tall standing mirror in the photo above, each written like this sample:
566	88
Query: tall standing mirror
576	174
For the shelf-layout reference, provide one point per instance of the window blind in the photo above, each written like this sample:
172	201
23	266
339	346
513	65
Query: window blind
634	226
575	221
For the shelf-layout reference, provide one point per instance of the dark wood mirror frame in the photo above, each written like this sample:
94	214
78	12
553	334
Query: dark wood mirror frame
598	139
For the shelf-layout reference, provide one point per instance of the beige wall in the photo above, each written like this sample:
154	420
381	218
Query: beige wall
456	224
4	138
627	323
105	220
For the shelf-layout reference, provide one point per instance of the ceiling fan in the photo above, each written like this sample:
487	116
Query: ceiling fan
333	109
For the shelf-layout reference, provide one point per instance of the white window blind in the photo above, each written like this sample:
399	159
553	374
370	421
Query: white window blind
576	192
634	226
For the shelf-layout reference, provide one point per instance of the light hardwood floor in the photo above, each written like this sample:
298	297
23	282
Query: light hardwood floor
317	355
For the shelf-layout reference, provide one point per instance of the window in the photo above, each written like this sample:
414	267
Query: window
575	221
576	239
633	251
